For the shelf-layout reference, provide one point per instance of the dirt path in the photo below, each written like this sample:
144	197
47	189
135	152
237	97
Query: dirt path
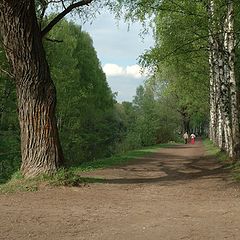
175	193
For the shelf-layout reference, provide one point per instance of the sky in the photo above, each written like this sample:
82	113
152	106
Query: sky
118	47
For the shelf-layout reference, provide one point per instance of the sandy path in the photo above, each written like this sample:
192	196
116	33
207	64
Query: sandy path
175	193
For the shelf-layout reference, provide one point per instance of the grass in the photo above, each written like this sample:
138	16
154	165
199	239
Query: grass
213	150
72	176
236	172
120	159
223	158
64	177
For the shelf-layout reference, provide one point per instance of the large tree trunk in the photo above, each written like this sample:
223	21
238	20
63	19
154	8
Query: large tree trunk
40	146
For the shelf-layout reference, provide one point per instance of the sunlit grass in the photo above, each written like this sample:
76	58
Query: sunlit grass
119	159
222	156
212	150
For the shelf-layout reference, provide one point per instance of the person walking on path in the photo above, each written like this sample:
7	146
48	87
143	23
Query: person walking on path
185	137
192	138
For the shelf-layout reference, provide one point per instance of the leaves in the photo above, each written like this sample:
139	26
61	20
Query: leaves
86	114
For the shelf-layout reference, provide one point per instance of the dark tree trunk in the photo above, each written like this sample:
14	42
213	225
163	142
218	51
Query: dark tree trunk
36	94
185	119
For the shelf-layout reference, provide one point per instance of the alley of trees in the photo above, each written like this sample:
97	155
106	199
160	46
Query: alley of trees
193	83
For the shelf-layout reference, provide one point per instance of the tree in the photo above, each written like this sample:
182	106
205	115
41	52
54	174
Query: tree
213	20
86	113
36	95
224	114
179	58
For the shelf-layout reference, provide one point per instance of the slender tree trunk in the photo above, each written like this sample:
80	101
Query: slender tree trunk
226	138
213	71
224	102
185	119
216	94
40	146
220	129
211	98
231	78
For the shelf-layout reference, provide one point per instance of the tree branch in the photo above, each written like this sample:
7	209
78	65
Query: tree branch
54	40
62	1
6	73
63	14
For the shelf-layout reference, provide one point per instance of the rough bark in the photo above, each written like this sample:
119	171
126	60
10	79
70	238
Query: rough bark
40	145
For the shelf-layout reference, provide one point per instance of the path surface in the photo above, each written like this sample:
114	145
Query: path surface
175	193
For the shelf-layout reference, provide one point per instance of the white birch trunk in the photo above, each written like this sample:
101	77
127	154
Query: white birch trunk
228	83
220	129
224	100
230	52
211	98
212	75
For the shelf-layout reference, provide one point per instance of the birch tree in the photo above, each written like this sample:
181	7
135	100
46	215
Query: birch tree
224	115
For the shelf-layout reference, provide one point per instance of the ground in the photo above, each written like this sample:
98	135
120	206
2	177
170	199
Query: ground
175	193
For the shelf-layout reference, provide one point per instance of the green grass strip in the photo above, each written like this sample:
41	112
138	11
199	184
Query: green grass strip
120	159
215	151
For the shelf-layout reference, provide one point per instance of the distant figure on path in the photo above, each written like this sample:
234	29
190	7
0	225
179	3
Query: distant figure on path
192	138
185	137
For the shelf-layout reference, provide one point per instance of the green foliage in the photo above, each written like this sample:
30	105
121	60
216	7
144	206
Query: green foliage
149	119
180	59
88	122
180	55
9	128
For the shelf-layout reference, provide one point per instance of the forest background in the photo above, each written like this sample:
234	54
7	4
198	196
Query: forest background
175	98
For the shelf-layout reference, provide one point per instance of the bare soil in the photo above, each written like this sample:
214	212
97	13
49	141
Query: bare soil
176	193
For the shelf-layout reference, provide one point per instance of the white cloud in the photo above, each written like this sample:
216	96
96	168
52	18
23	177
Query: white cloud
134	71
118	48
112	70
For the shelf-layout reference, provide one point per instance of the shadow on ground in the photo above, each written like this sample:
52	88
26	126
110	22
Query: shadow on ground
168	167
